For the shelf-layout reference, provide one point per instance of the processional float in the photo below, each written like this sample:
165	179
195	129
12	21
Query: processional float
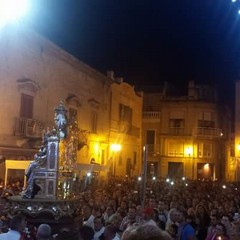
49	194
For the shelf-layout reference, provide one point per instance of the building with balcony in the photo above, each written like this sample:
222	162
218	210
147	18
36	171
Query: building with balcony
125	129
35	75
187	136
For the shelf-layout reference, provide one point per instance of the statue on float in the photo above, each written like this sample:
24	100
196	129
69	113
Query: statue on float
42	173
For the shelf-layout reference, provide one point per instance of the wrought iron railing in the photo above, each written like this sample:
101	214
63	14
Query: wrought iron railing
26	127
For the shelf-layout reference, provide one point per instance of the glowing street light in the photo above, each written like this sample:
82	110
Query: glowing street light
12	10
115	148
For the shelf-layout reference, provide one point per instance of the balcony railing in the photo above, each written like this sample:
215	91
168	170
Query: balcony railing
208	132
25	127
151	116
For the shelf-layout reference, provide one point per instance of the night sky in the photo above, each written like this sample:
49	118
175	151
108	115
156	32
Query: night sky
150	41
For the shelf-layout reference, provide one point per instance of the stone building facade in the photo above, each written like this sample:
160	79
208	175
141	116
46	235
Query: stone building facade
187	136
35	75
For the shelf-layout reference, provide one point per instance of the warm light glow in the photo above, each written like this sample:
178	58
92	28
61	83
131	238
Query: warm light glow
96	148
189	151
12	10
238	147
139	178
154	178
116	147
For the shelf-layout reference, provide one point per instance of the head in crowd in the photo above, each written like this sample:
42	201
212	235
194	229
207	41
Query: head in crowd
148	232
18	223
110	232
44	232
221	230
98	223
173	215
85	233
148	213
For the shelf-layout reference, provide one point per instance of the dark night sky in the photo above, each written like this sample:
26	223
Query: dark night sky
148	41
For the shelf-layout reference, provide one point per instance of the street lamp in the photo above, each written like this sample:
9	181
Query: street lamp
115	148
12	10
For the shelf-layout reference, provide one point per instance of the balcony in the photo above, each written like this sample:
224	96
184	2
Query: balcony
151	116
29	128
208	132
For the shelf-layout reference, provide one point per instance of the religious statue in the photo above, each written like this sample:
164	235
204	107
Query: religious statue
38	162
61	120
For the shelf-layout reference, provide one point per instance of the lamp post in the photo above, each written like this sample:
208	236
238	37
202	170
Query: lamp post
115	148
189	152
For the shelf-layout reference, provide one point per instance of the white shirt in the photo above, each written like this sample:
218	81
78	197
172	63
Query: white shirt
98	233
10	235
151	222
89	222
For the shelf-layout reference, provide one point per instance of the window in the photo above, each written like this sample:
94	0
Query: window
125	114
205	150
175	149
176	123
150	140
26	109
206	120
206	124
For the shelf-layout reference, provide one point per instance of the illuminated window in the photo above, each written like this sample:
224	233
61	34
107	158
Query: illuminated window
205	150
175	149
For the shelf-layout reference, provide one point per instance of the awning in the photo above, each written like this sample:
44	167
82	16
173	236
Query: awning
15	164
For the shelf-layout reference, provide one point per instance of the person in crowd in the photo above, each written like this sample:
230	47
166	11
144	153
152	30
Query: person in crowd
88	217
212	228
221	232
98	227
85	233
111	233
17	226
226	222
130	219
148	214
202	220
162	214
108	213
172	218
148	232
185	229
44	232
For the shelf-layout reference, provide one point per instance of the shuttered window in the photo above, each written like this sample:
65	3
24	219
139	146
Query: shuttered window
26	109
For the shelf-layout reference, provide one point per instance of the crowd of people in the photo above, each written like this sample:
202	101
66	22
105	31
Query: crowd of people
118	209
